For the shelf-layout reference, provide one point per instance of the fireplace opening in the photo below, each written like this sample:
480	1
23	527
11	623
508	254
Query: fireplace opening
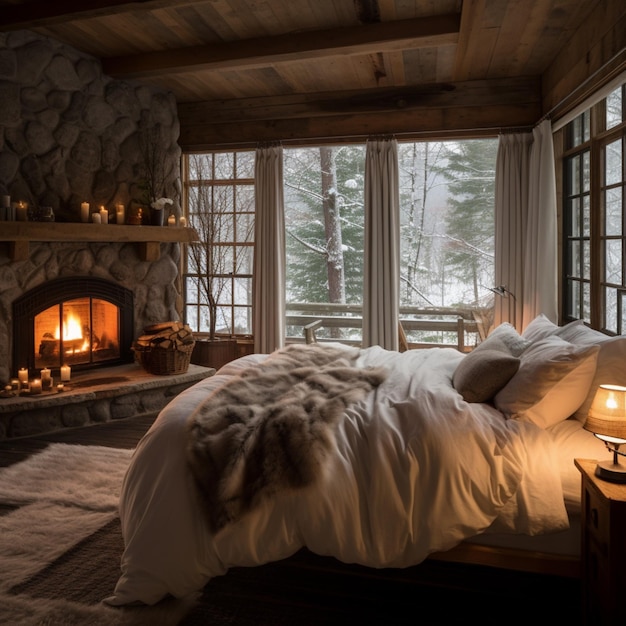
80	322
80	331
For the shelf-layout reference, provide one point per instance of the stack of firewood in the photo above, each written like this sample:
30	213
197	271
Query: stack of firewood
165	348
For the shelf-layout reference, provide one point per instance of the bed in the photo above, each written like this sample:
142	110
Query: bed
369	456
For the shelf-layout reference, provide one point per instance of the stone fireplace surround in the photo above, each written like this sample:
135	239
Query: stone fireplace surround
70	134
130	391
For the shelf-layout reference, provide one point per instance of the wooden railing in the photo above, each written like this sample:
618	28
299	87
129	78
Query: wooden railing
461	328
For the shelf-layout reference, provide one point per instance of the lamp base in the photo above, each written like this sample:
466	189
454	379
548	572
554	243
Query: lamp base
613	472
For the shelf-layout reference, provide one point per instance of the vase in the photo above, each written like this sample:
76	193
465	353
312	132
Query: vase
156	217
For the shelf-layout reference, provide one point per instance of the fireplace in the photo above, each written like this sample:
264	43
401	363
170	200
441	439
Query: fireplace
83	322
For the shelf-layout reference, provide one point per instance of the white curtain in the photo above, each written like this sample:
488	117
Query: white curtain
381	278
269	251
526	227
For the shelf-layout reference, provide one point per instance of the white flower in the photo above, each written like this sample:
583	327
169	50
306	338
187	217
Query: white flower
161	203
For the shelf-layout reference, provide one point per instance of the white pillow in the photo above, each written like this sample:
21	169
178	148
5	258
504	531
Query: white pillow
552	382
508	335
539	328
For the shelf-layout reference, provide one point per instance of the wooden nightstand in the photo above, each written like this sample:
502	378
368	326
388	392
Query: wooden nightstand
603	547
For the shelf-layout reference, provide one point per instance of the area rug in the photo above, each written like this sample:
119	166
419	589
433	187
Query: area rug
53	502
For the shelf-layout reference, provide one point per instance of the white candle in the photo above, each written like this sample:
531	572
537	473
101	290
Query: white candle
84	212
22	375
45	374
171	220
66	372
104	215
95	218
35	386
120	213
182	221
60	387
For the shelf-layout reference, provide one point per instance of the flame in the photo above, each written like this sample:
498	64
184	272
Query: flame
73	333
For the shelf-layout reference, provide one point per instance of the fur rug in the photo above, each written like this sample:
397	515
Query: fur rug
53	500
61	495
272	427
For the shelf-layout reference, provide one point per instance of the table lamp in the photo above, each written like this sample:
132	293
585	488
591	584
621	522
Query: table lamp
607	421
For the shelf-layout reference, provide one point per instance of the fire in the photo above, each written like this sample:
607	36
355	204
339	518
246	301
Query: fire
73	334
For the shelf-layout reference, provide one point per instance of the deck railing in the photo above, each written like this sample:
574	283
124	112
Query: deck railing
461	328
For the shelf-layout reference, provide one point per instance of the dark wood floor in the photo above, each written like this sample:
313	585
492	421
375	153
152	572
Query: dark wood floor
123	433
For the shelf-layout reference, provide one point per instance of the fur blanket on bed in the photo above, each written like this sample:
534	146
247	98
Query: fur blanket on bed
272	427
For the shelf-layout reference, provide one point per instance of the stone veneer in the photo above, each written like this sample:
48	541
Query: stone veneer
100	396
154	284
70	134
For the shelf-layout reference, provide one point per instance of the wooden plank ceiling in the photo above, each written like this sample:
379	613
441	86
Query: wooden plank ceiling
259	70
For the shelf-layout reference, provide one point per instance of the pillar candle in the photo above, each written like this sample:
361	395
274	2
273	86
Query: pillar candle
95	218
182	221
35	386
22	375
104	215
46	379
22	212
120	214
84	212
171	220
66	372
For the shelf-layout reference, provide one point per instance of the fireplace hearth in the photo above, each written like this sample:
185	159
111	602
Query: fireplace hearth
83	322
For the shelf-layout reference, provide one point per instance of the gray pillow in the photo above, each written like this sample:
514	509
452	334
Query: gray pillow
482	373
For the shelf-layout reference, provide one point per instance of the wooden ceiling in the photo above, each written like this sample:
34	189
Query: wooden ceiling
253	70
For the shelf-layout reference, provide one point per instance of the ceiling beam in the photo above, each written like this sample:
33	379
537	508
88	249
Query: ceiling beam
376	37
470	108
47	12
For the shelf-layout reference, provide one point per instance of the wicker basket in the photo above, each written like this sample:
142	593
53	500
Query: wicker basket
165	348
163	361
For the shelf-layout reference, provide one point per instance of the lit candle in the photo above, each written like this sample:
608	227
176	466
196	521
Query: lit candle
95	218
171	220
120	213
182	221
104	215
84	212
45	374
22	212
60	387
35	386
66	372
22	375
15	384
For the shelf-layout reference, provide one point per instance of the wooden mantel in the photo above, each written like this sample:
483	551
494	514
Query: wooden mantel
18	235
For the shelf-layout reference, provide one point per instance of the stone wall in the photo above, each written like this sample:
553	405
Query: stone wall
69	134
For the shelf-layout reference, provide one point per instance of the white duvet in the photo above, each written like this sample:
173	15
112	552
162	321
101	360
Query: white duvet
416	470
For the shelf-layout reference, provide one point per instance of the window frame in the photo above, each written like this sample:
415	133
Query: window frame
594	145
231	277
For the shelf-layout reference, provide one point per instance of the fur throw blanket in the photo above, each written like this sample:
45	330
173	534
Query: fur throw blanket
272	427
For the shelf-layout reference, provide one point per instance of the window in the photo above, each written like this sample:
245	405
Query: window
447	237
218	268
594	185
